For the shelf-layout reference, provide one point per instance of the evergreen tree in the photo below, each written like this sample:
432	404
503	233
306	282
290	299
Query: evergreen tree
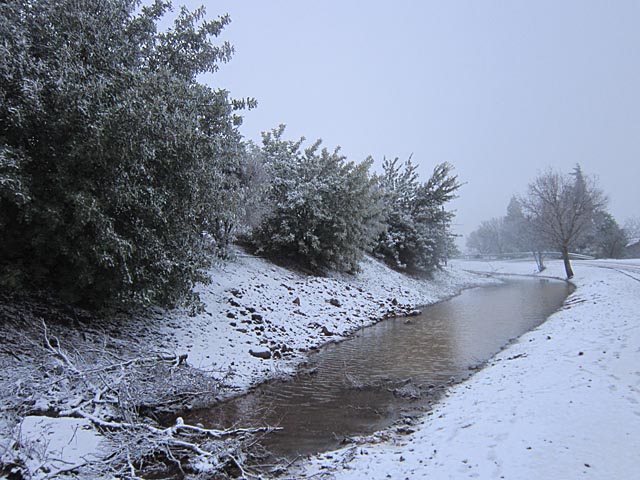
417	236
323	210
604	238
116	165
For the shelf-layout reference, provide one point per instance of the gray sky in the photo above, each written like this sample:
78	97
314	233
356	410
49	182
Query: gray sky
500	89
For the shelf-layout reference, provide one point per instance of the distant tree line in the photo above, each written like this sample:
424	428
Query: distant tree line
560	212
123	178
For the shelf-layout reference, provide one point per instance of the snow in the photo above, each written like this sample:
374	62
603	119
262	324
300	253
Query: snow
55	445
562	402
255	306
632	242
260	321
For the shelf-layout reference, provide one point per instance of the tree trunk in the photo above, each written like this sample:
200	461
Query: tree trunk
539	257
567	262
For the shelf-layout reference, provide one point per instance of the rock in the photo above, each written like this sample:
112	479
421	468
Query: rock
256	317
335	302
405	430
263	353
297	301
394	301
182	359
325	331
231	315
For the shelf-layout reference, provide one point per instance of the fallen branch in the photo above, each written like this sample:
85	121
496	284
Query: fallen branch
109	391
221	433
57	351
170	431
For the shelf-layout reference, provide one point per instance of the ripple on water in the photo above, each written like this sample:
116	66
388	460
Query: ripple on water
366	383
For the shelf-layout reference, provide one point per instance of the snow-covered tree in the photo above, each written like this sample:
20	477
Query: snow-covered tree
632	227
516	238
417	236
562	208
522	235
118	169
513	233
323	210
255	183
604	238
610	238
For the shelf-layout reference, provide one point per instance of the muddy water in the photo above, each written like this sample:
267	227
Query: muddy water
392	369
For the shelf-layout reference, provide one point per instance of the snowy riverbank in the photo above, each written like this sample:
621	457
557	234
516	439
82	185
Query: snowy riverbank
255	309
259	321
562	402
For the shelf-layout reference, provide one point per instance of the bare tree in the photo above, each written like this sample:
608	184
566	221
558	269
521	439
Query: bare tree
632	227
521	233
561	207
488	237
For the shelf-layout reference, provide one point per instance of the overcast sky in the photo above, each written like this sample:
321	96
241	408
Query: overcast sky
500	89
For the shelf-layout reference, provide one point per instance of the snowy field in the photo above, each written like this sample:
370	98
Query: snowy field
562	402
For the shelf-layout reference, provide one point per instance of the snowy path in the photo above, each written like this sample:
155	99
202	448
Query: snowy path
628	267
562	402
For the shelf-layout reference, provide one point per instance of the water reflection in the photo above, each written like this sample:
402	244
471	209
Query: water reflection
366	383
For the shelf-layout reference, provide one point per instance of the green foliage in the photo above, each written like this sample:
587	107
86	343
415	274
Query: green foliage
116	165
605	238
324	211
417	236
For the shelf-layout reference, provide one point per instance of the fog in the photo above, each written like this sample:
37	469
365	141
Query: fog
502	90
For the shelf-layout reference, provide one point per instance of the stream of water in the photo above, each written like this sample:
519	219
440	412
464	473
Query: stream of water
392	369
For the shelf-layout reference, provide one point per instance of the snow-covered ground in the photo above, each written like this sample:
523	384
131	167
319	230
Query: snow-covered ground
562	402
259	321
255	306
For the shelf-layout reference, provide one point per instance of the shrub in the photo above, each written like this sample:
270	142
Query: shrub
416	238
323	210
115	163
